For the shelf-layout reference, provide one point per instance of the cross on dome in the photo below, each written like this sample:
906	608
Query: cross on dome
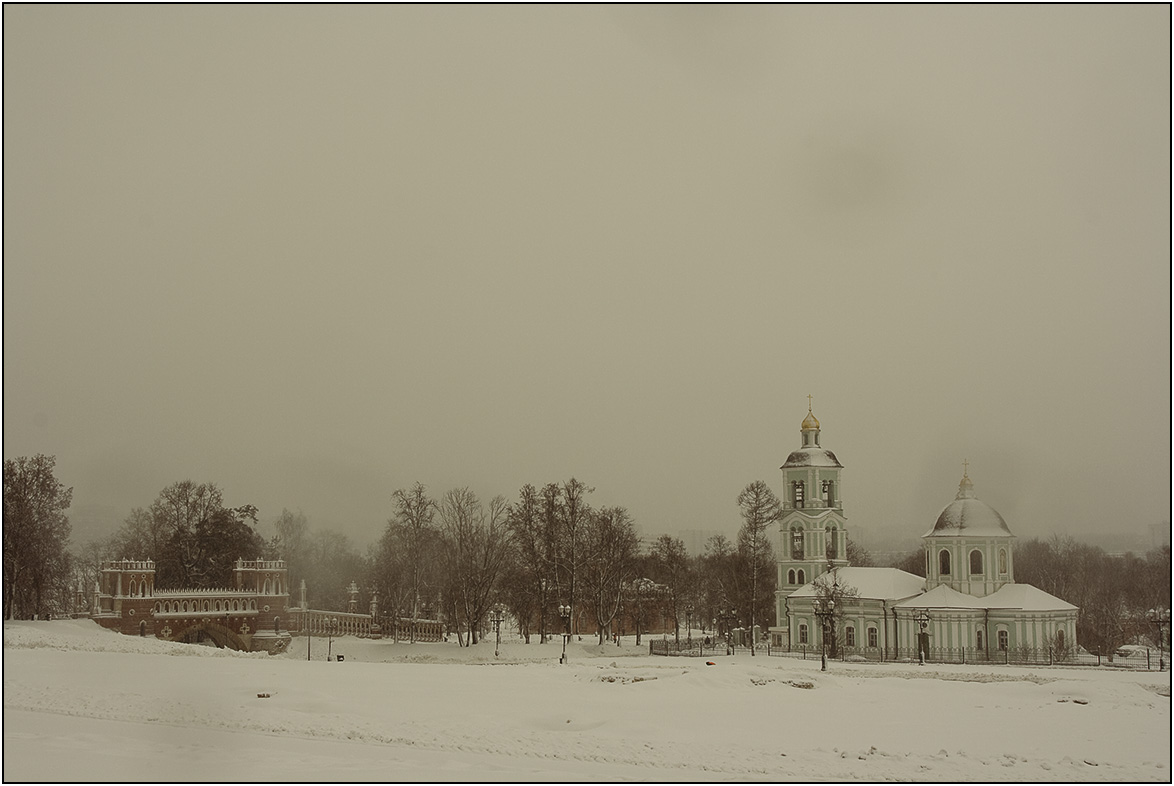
809	422
966	487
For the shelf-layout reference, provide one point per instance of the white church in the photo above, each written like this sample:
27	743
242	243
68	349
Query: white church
975	609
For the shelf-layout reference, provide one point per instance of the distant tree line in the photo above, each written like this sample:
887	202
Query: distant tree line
452	558
455	558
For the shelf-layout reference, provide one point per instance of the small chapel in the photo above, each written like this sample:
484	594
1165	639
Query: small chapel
968	607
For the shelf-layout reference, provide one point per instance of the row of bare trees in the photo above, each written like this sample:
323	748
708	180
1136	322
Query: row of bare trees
1113	592
460	557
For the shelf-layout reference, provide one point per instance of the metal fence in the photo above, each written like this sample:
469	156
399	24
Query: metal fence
695	648
1130	659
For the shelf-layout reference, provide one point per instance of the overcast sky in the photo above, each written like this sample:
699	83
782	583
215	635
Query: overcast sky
314	254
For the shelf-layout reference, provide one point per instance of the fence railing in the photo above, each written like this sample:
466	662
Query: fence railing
697	648
1148	660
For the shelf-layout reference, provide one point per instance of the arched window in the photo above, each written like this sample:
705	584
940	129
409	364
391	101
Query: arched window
235	606
927	562
832	550
1060	639
944	562
185	606
797	493
802	579
277	624
978	639
829	493
143	628
253	605
850	636
802	632
1002	562
796	543
215	605
1002	639
265	587
975	562
133	588
158	608
790	576
872	639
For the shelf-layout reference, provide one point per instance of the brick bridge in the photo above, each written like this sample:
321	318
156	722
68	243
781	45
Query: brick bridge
247	616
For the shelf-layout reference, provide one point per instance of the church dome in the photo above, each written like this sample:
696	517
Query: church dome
812	457
967	515
810	421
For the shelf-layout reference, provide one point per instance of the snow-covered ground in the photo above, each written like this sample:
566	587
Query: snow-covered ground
85	704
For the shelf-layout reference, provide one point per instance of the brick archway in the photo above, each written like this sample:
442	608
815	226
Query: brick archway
214	630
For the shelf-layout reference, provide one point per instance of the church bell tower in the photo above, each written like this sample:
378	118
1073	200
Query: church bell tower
813	531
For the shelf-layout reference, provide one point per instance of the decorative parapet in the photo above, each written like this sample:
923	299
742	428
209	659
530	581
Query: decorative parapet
260	564
207	591
129	565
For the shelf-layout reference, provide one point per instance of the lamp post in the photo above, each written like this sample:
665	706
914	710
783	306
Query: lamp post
689	623
542	611
496	616
565	613
824	610
922	619
1160	619
330	628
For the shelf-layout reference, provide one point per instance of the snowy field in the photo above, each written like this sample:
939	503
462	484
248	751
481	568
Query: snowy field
85	704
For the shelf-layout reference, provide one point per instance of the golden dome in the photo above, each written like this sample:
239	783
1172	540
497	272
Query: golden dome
810	421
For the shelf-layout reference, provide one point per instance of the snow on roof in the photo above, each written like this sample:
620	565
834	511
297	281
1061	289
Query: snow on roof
812	457
1019	597
872	583
943	597
1026	597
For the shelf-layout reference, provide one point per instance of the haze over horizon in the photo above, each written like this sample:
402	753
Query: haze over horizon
314	254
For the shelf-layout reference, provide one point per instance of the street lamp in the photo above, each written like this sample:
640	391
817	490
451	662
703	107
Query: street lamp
689	622
824	610
496	616
542	612
922	619
330	629
565	613
1159	618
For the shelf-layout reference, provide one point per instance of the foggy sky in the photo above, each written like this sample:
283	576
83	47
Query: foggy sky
315	254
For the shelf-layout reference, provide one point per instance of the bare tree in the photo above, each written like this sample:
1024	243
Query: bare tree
829	588
724	580
529	577
566	514
416	536
760	509
476	546
610	545
36	531
670	562
640	595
